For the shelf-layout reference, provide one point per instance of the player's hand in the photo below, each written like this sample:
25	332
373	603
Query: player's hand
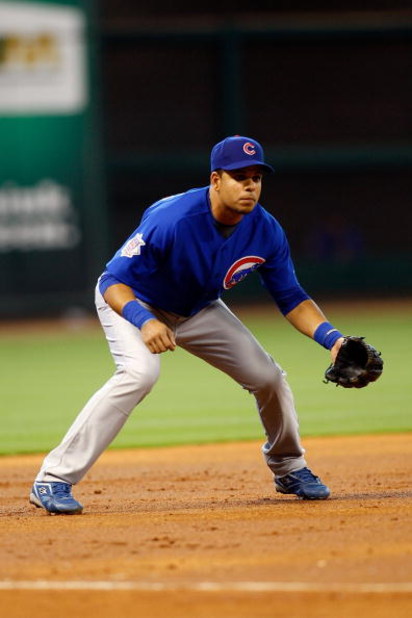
158	337
335	349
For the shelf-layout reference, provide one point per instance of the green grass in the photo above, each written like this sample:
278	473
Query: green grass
46	378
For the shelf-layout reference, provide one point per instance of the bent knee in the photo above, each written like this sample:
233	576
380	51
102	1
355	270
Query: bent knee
142	377
267	375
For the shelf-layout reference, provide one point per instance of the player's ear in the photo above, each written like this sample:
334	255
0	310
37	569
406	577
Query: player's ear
215	178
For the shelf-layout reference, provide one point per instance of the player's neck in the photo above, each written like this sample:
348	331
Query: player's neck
222	213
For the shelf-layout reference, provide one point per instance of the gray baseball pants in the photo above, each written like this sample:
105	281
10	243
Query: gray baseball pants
214	334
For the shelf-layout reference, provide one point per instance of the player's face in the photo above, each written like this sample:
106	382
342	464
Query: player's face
237	192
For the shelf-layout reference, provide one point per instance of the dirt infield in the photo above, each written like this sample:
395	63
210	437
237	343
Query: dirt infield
198	531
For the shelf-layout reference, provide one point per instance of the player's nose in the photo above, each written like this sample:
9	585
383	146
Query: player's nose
250	184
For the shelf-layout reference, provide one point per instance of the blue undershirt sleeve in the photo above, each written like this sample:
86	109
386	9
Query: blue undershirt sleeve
133	311
279	277
287	300
105	281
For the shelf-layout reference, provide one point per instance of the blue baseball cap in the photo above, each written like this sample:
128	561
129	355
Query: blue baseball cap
236	152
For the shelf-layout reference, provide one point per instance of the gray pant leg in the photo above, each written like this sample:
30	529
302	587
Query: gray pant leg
217	336
105	413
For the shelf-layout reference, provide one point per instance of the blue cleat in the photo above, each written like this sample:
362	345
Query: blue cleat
304	484
55	498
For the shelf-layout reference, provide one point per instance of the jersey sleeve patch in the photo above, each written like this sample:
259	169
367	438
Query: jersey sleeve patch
133	246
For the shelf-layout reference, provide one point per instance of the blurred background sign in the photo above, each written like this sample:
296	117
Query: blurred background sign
48	159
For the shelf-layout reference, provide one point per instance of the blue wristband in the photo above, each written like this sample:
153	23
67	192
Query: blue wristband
136	314
326	335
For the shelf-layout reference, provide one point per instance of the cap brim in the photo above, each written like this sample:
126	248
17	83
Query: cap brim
238	165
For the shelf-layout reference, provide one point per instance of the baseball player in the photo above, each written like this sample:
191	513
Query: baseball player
162	289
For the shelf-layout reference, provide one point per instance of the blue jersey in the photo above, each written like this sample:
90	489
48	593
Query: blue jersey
178	261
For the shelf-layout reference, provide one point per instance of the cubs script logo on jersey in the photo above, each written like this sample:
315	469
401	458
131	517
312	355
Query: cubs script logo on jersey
240	269
133	246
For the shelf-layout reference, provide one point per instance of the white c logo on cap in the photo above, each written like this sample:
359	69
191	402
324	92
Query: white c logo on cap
249	148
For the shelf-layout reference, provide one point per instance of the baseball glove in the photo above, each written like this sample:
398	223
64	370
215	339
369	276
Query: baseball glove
356	364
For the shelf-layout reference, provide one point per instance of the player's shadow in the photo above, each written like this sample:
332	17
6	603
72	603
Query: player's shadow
375	495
